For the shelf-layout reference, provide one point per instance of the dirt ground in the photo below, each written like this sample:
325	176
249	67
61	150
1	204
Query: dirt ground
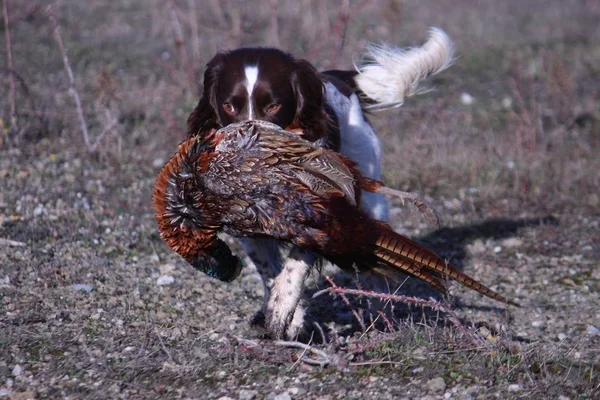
506	147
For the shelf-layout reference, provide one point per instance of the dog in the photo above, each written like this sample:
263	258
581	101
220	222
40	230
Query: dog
327	108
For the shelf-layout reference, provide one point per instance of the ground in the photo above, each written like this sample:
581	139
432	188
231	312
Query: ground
506	147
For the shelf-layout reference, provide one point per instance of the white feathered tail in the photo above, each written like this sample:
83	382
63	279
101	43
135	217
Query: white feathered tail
388	75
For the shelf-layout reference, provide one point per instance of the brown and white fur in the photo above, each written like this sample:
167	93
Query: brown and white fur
327	108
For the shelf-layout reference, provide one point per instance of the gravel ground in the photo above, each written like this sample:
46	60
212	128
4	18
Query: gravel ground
95	306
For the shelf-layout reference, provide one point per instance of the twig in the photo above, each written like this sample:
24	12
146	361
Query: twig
323	359
195	37
301	356
341	291
163	347
72	89
433	304
179	42
13	112
357	364
11	243
106	129
321	332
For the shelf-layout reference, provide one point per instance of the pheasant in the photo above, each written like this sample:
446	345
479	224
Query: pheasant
254	179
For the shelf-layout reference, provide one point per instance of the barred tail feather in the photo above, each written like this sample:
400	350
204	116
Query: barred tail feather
412	258
388	75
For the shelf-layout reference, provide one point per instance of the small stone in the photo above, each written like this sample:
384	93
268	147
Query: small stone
17	370
467	99
5	282
82	287
561	397
283	396
293	391
497	249
592	330
538	324
38	210
447	395
561	336
165	280
507	103
221	375
512	242
247	394
225	398
158	162
514	388
436	385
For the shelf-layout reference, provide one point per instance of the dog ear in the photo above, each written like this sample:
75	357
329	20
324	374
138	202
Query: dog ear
310	100
204	117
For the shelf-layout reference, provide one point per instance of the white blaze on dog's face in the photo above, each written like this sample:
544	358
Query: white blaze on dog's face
251	78
256	85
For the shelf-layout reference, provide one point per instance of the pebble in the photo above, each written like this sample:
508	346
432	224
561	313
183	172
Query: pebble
225	398
5	282
514	388
165	280
497	249
436	385
17	370
512	242
221	375
247	394
561	336
158	163
467	99
283	396
507	103
593	331
38	210
538	324
82	287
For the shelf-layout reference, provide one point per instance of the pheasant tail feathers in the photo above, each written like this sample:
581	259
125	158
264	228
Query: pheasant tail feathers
410	257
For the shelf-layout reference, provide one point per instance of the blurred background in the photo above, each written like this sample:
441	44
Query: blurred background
516	115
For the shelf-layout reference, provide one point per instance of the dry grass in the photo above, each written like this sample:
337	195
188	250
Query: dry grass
527	147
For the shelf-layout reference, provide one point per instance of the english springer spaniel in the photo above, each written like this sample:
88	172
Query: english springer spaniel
328	108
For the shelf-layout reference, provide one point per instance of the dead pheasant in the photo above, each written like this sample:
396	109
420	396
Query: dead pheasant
254	179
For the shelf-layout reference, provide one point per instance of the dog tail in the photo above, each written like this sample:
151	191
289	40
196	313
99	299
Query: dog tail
387	75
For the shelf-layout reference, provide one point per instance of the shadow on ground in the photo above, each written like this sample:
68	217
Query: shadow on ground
327	310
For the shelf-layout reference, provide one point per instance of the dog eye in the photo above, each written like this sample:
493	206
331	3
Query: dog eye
228	107
272	108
